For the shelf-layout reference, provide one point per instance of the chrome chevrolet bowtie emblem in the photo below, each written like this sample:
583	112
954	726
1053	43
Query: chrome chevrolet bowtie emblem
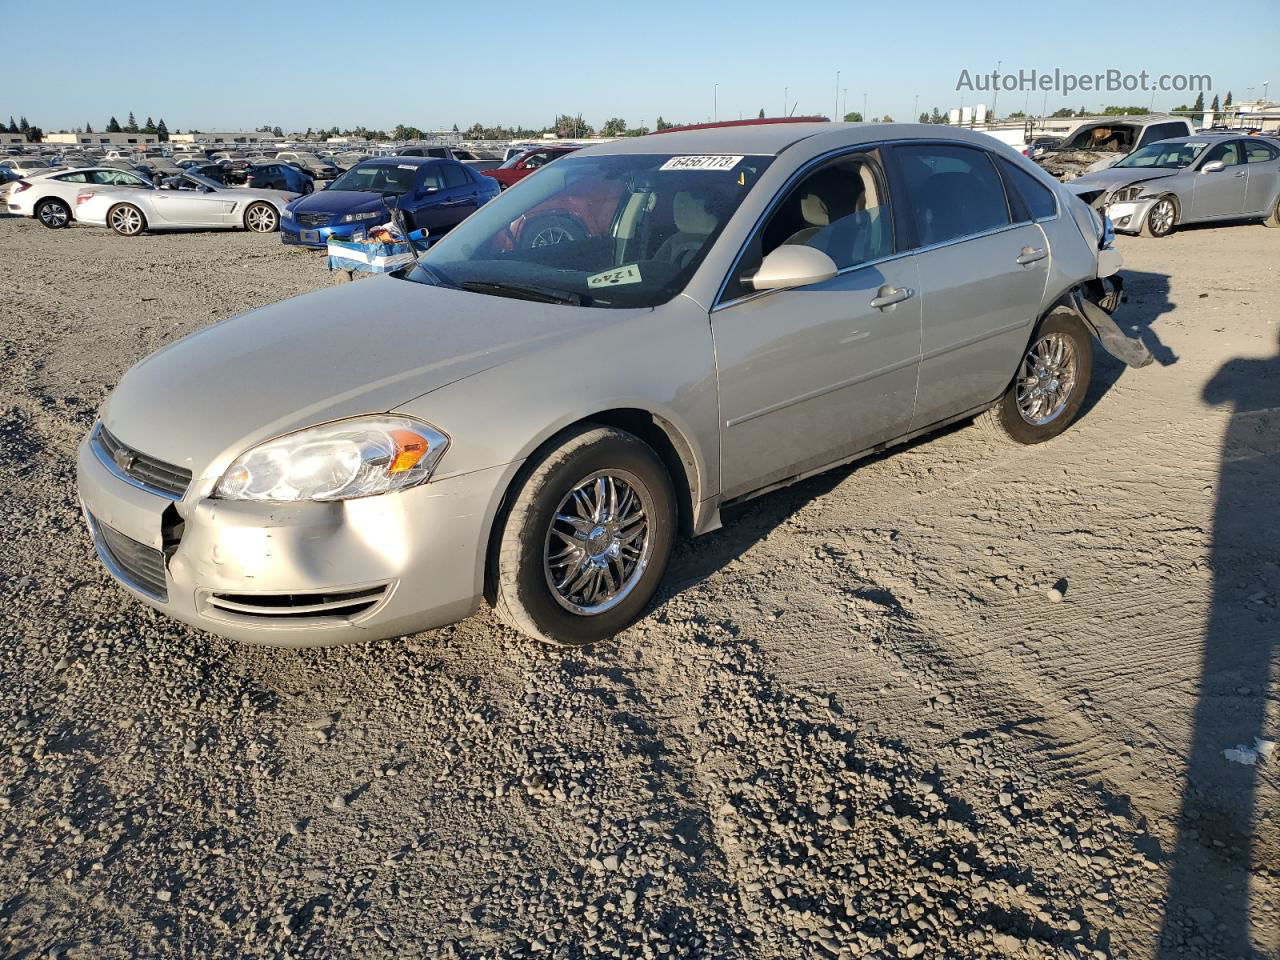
124	460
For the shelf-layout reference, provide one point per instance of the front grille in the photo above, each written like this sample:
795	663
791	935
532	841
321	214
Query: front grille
138	565
283	606
314	219
147	472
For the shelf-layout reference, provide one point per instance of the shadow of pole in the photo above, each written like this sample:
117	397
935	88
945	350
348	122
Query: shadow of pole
1223	845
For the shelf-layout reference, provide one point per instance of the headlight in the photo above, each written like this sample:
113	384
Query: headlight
1108	232
1125	194
337	461
353	217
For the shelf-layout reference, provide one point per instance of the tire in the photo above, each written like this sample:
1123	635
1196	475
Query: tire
126	220
549	230
53	213
261	217
1274	219
1007	419
590	556
1155	224
307	187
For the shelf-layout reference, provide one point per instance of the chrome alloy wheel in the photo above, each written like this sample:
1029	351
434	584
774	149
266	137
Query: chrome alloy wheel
1161	217
261	218
53	214
550	236
1047	378
599	543
126	220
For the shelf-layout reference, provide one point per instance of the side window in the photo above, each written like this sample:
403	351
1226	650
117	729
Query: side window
535	160
431	178
842	209
1229	153
455	175
954	191
437	152
1036	197
73	178
1256	151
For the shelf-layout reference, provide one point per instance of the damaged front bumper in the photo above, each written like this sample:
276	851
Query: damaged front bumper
1128	216
1094	302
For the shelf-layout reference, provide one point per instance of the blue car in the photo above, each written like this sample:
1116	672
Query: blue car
278	175
433	194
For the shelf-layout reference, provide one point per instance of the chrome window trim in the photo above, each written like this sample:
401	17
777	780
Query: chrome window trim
119	474
720	303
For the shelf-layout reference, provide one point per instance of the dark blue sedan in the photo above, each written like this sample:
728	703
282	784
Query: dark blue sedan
434	194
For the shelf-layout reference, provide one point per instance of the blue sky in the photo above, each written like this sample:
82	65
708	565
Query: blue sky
434	64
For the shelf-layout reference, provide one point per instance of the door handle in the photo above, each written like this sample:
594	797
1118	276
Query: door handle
891	295
1031	255
1241	175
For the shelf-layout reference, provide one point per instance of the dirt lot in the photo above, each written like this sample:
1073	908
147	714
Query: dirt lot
856	725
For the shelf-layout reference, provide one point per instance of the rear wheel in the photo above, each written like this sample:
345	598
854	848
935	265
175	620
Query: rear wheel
126	220
1161	218
1274	219
587	539
54	214
1049	386
548	231
261	217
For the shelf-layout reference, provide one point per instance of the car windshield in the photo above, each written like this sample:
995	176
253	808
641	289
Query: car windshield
34	164
307	156
1171	156
203	181
393	178
598	231
1111	138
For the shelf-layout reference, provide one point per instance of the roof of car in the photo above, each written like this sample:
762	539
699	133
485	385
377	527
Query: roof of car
772	139
417	161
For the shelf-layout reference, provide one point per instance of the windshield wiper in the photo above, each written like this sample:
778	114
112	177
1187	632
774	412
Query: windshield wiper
521	292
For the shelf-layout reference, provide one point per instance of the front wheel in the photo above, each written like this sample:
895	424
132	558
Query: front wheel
126	220
1161	218
548	231
587	539
261	217
1049	386
54	214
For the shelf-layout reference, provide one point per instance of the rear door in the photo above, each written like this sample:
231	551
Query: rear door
812	375
461	192
1221	193
1262	160
983	265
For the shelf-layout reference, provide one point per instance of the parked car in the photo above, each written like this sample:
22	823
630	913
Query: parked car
310	163
433	194
27	166
161	167
212	171
1097	145
515	169
51	197
180	202
1172	182
278	175
535	426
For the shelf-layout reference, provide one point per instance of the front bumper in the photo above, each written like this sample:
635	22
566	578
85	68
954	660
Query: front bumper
285	574
317	238
1128	216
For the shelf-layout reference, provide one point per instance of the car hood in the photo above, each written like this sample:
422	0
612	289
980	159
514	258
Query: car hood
1068	164
342	201
358	348
1114	177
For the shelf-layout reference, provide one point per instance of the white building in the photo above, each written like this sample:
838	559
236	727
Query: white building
224	136
103	139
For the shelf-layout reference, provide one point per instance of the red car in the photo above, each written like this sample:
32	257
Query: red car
523	164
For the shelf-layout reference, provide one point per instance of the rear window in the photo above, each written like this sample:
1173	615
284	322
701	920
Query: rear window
1036	197
954	191
455	175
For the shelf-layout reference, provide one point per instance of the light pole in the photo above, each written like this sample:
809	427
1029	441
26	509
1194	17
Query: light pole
715	101
1265	84
864	106
836	109
785	91
995	90
915	108
845	108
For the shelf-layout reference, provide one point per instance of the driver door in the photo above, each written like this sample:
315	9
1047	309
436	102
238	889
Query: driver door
813	374
1221	193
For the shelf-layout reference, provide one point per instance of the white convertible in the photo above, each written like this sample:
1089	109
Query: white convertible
181	203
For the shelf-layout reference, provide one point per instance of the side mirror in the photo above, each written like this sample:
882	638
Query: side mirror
793	265
1213	166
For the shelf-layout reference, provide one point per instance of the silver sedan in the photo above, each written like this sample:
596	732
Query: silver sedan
533	422
181	203
1188	180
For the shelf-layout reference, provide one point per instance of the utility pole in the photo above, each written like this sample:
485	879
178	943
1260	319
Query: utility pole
995	90
784	101
864	106
715	101
915	108
837	106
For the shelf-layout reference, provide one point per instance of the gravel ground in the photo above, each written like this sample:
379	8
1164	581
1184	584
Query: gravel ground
962	701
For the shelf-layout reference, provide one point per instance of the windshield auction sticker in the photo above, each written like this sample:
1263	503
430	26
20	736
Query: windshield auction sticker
701	163
615	278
